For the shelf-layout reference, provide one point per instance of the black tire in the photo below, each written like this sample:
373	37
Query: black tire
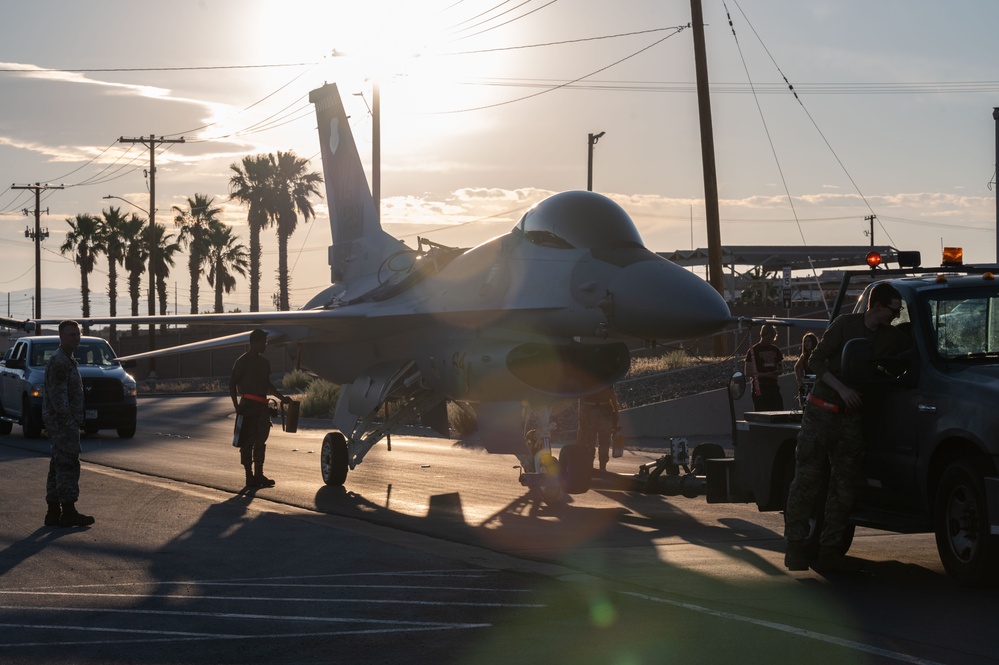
334	461
126	431
961	524
701	453
31	422
90	430
575	468
5	425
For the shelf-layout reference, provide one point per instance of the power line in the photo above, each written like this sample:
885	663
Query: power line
149	69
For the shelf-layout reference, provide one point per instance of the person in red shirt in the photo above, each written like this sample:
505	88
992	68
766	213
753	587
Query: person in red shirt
763	366
249	385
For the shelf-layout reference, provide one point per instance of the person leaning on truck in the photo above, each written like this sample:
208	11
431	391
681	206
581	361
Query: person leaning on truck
63	413
249	385
831	434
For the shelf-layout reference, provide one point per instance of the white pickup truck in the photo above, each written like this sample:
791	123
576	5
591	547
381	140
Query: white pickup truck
109	391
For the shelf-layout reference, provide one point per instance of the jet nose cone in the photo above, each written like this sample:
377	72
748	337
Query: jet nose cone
657	299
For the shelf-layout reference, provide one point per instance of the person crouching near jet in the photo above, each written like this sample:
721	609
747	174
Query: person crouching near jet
249	385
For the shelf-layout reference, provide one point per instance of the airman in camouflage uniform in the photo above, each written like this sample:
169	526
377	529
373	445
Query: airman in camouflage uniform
63	414
831	435
597	423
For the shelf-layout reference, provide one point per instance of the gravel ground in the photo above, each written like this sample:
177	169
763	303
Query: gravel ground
698	378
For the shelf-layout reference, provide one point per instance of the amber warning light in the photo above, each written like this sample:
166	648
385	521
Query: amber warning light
953	256
873	260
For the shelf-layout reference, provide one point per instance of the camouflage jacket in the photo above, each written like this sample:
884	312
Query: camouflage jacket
62	400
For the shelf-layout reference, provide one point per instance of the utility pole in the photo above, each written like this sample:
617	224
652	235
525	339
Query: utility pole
995	116
37	235
870	220
376	148
151	142
708	159
591	141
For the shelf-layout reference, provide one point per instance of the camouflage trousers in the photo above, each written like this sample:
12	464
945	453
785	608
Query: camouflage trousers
830	441
63	482
596	426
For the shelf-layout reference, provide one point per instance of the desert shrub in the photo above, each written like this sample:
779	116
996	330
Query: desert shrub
296	380
320	399
674	359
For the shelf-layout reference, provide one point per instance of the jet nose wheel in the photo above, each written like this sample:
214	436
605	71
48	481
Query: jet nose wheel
334	459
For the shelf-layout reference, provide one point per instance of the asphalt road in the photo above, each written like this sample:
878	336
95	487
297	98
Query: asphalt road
431	553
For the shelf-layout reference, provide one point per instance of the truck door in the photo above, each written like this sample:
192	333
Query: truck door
893	427
12	380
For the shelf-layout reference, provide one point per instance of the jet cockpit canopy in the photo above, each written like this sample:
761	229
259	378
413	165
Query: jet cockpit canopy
580	220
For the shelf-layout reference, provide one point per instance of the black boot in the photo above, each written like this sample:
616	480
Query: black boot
250	480
53	514
70	517
259	478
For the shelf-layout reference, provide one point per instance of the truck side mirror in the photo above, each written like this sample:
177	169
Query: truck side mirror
737	386
15	363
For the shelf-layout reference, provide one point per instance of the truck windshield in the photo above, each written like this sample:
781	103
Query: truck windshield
965	327
88	353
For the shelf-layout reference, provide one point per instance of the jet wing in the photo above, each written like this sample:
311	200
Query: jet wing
808	324
339	325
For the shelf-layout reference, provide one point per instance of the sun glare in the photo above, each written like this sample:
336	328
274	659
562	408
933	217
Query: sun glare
401	44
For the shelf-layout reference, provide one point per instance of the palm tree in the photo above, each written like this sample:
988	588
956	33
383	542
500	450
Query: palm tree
136	253
251	185
293	186
193	223
225	256
83	241
166	248
112	243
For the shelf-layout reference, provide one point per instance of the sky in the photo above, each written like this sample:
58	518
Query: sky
486	107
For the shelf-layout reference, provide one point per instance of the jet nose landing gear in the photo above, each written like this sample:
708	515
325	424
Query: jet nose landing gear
334	459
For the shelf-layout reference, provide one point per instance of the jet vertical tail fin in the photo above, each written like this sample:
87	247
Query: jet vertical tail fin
359	243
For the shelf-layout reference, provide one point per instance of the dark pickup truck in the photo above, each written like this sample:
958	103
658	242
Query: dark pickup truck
931	420
109	392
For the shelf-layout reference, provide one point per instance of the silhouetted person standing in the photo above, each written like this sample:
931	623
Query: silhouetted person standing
249	385
63	413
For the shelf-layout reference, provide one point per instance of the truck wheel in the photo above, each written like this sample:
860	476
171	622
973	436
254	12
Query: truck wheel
961	523
5	425
701	453
31	423
126	431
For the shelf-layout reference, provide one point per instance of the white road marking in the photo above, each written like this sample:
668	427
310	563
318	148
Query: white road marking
169	596
800	632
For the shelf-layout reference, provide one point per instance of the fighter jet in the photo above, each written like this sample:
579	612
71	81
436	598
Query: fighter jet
537	315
